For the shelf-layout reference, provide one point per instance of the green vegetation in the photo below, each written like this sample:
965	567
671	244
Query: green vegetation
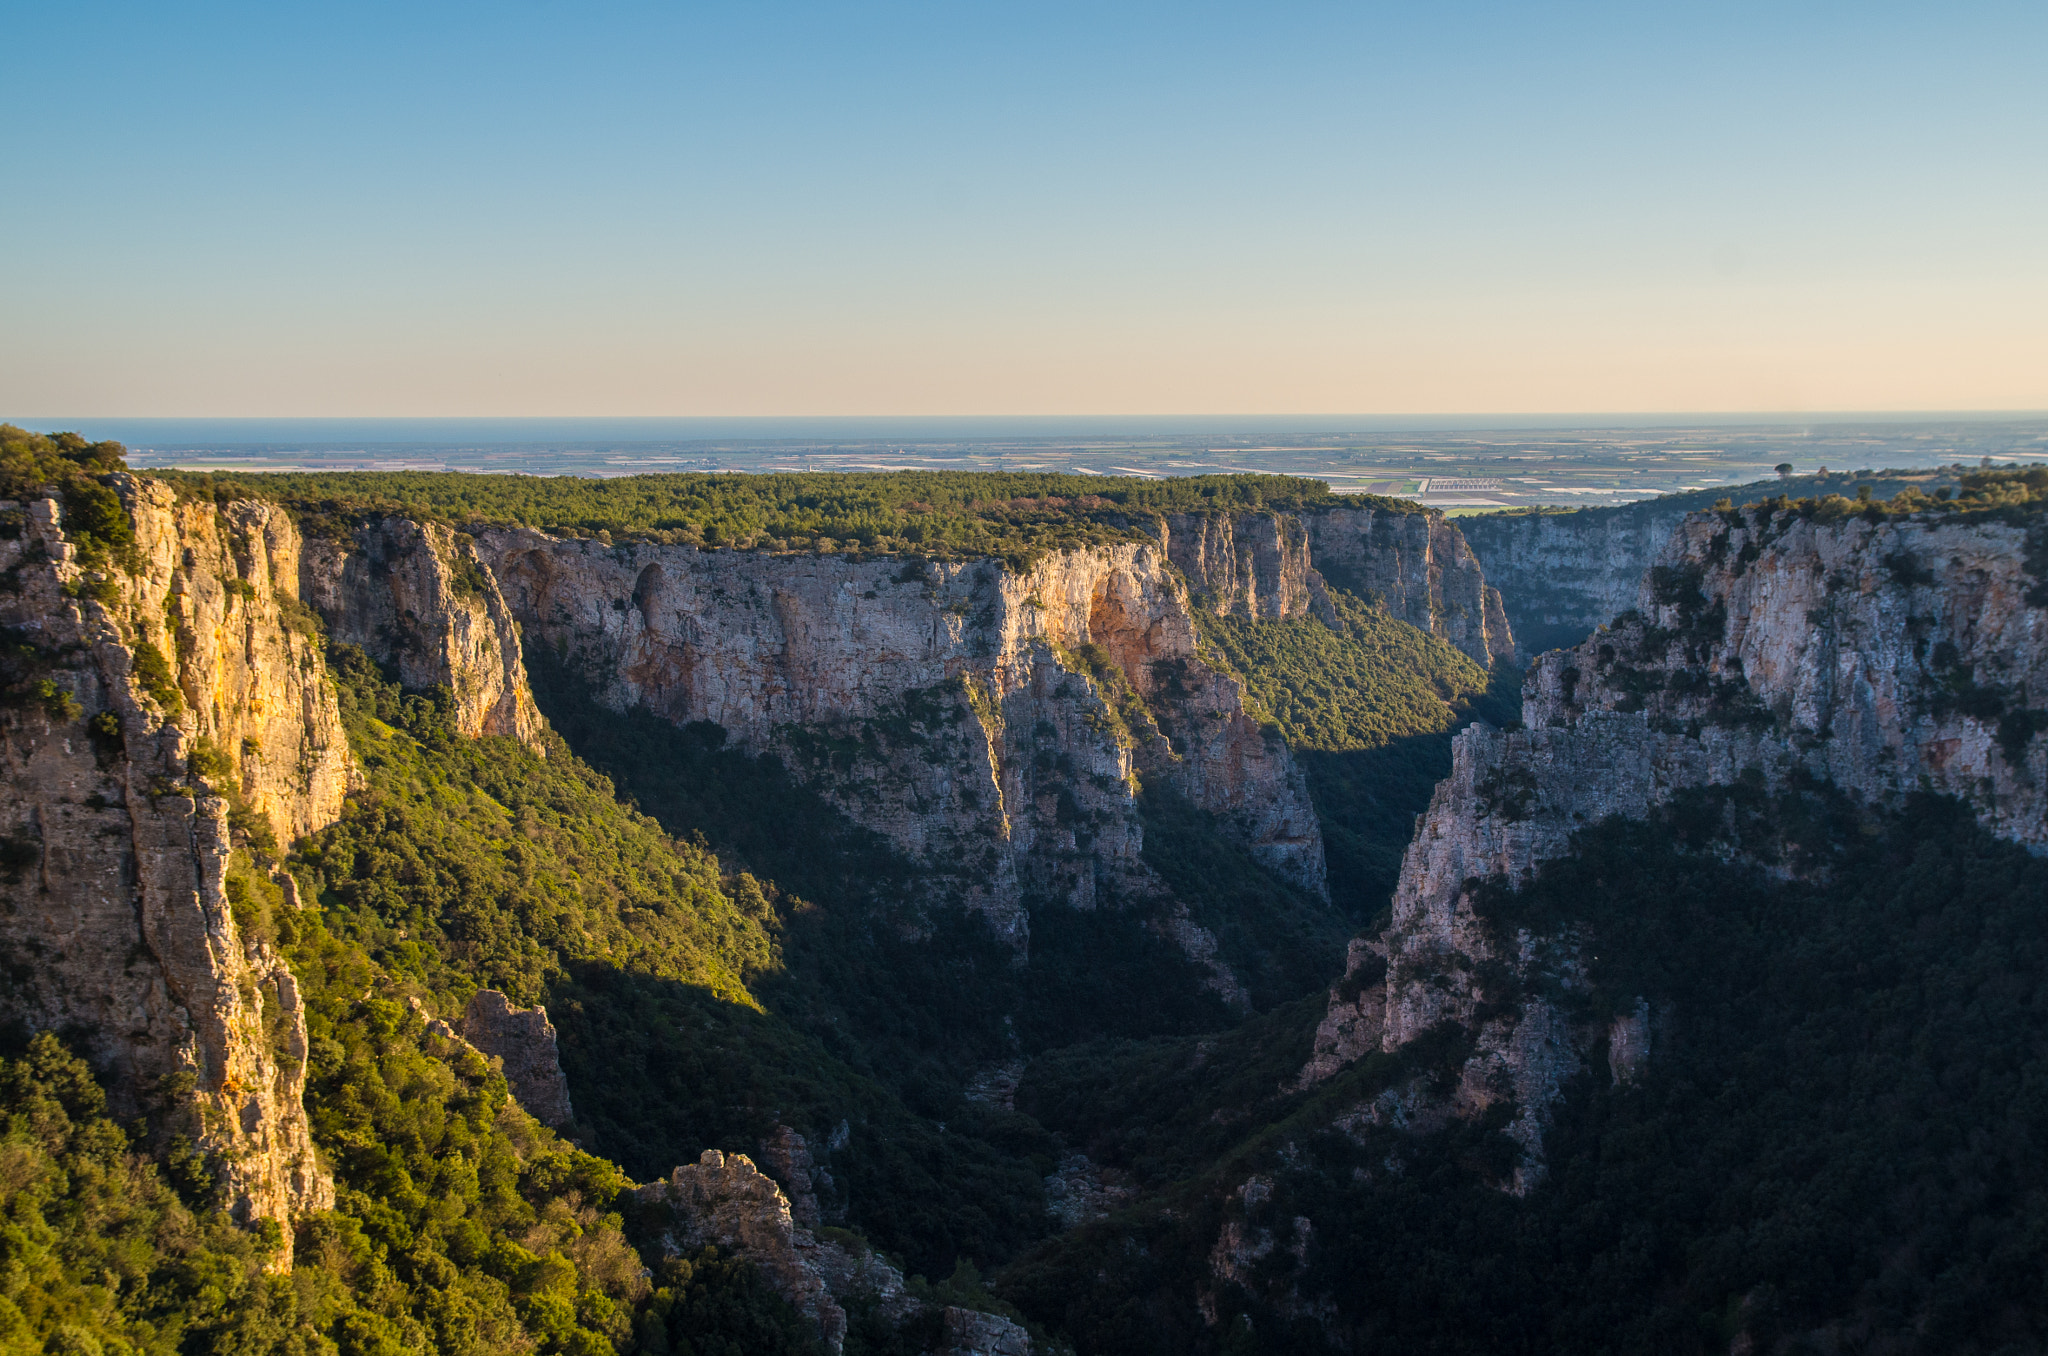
96	1247
2014	495
1367	681
479	863
473	864
460	1224
94	520
1278	940
942	515
1837	1144
1369	707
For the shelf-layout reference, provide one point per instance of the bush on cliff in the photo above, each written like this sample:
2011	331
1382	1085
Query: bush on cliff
94	520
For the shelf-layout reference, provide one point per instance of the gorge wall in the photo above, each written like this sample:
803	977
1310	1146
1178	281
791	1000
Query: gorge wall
955	707
417	597
1883	658
1415	564
141	698
150	699
1560	575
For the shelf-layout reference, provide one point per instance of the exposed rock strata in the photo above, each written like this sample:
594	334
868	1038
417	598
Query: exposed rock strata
1080	1191
969	1332
416	596
523	1039
943	704
1561	575
117	919
1417	565
1245	564
1884	658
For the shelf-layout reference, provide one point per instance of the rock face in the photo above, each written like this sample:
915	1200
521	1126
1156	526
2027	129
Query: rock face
945	705
146	694
1417	565
1883	658
416	596
1561	575
524	1039
724	1200
1245	564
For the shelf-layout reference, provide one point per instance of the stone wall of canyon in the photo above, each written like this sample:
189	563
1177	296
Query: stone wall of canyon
1561	575
117	920
1883	658
1416	565
417	597
948	705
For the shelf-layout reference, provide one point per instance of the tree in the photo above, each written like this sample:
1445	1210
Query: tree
1783	468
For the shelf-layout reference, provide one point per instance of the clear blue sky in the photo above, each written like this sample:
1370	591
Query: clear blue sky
989	208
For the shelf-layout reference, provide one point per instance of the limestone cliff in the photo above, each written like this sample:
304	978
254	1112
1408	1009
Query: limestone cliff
416	596
953	706
1417	565
1883	658
140	700
1561	575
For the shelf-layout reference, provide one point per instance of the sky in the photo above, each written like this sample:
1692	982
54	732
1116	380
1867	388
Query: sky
555	209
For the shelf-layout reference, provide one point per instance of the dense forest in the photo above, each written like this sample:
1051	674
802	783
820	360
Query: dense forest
1016	517
1839	1144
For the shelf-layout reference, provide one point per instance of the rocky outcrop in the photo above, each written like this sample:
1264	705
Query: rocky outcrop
1561	574
417	597
724	1200
1244	1256
993	725
1884	658
1080	1191
1416	564
146	703
523	1040
788	1156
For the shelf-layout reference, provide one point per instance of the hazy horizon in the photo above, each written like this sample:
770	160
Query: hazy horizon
232	430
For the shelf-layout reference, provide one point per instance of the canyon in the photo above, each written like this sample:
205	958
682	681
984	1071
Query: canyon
1011	731
1884	659
997	727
